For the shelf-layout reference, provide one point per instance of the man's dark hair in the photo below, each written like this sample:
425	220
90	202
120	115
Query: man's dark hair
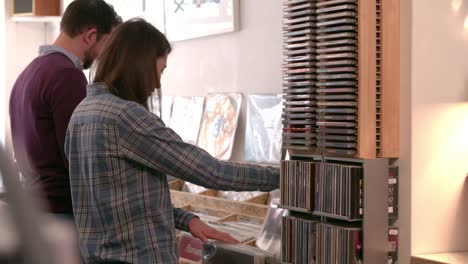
82	15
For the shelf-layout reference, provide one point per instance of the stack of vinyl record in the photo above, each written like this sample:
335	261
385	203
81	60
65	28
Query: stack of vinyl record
378	76
337	75
297	184
339	244
241	230
299	75
339	191
300	240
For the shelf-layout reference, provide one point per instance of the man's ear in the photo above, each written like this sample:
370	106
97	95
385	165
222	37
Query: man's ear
90	37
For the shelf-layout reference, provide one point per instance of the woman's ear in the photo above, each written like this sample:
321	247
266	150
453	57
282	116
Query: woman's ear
90	37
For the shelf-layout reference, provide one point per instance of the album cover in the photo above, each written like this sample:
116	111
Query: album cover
186	117
219	123
263	128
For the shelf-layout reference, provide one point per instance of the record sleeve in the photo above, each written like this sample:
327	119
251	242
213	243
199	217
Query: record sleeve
219	123
263	128
190	247
186	117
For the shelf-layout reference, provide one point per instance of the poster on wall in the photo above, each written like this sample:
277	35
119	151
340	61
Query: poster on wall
219	124
187	19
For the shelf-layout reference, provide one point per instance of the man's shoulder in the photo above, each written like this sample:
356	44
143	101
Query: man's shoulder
55	61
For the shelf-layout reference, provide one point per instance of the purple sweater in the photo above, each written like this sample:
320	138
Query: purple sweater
41	104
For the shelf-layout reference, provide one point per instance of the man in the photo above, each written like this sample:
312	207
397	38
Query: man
46	93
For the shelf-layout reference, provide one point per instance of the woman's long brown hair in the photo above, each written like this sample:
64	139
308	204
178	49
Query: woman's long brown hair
127	64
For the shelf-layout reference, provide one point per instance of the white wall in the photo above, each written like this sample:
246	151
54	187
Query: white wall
2	73
22	42
404	163
247	61
439	136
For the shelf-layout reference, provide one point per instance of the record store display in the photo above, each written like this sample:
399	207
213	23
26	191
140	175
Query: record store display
339	191
299	75
297	184
339	244
337	63
320	76
326	189
339	96
299	236
219	123
326	88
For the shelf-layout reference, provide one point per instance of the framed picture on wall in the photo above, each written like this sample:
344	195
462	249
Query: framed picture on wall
187	19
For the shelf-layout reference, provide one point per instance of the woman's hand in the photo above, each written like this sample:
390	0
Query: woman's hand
204	232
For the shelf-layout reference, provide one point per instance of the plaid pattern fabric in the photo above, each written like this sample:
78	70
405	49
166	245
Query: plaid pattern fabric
119	155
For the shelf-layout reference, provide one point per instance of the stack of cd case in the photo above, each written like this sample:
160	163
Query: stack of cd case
299	75
297	184
299	236
337	76
339	243
339	191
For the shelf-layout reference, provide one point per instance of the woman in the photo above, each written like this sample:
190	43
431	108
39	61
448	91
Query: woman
119	154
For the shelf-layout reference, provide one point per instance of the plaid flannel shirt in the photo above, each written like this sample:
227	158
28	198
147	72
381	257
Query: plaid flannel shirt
119	154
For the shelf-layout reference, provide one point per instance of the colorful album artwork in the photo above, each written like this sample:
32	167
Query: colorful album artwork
219	124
